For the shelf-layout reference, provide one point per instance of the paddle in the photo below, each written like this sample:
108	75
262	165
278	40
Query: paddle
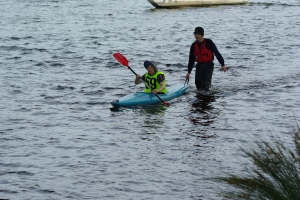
119	57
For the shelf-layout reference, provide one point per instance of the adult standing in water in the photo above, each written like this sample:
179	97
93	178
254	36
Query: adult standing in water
202	51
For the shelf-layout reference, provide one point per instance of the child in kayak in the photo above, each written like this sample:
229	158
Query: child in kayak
153	79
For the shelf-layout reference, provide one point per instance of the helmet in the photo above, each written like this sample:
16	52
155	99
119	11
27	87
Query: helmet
152	63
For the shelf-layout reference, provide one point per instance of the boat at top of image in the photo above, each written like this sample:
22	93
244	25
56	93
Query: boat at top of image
185	3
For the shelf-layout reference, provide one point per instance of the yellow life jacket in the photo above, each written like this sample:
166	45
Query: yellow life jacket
152	82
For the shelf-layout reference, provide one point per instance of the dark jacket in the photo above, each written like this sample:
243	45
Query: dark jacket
209	45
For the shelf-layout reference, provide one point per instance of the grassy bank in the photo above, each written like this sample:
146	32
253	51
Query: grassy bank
275	173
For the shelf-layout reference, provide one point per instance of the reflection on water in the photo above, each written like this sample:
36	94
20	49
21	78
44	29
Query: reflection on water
203	114
156	109
203	110
153	116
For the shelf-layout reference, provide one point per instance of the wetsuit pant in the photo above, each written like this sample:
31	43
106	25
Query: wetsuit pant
203	76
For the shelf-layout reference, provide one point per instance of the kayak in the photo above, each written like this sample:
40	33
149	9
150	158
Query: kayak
143	98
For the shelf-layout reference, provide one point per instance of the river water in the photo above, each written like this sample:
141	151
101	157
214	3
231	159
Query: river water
60	140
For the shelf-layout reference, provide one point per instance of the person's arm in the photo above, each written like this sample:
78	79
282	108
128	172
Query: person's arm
191	61
162	85
191	58
213	47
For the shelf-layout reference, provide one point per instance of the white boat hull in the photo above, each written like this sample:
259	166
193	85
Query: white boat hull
183	3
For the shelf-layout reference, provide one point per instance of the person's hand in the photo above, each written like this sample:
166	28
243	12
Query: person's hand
138	79
154	91
224	68
187	76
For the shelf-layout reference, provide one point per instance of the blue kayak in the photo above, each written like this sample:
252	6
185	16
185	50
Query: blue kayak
142	98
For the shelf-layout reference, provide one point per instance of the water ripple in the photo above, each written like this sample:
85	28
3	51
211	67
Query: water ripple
59	139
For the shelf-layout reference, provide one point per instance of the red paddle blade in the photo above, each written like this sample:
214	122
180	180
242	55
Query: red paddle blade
119	57
166	103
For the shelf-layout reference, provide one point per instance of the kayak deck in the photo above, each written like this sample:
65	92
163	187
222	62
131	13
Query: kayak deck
142	98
